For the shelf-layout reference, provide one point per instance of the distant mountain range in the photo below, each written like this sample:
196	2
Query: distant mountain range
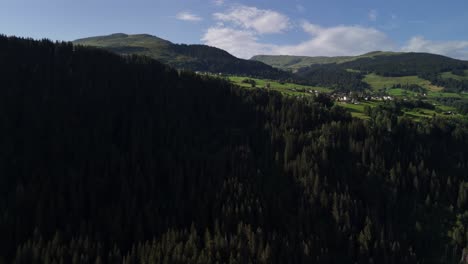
181	56
293	63
348	72
369	60
342	73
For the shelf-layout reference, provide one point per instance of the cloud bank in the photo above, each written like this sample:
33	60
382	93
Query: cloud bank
241	43
455	49
240	29
338	41
252	18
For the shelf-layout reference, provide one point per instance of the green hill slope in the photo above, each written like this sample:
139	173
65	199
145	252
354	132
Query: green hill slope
181	56
347	74
293	63
405	64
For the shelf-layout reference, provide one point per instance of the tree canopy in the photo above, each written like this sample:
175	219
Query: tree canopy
122	159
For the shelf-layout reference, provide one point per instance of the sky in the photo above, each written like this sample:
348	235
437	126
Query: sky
246	28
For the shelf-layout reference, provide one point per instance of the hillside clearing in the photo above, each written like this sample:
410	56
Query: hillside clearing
378	82
286	88
450	75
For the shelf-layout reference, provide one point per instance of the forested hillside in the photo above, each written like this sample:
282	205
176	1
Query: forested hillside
346	73
426	66
109	159
330	72
336	78
181	56
294	63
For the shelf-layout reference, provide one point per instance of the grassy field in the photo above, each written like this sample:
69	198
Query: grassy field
418	113
353	70
433	95
397	92
378	82
286	88
140	44
401	92
357	110
449	75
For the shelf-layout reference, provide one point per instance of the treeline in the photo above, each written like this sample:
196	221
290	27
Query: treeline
426	66
397	107
108	159
211	59
449	84
186	57
411	87
406	64
461	104
333	77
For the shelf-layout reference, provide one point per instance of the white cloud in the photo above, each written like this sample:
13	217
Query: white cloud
331	41
373	15
338	41
240	30
312	29
241	43
455	49
188	16
218	2
260	20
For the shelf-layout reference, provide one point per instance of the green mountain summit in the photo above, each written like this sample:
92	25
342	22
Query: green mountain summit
181	56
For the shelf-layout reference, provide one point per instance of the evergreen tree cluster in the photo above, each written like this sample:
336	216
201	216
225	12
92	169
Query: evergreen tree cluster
449	84
411	87
461	104
110	159
406	64
211	59
337	78
426	66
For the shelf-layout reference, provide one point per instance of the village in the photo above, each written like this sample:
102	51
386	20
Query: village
349	97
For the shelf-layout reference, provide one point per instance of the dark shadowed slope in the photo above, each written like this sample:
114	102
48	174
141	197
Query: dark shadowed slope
112	159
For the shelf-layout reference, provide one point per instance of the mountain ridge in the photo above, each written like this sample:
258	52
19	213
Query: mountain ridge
195	57
294	63
342	72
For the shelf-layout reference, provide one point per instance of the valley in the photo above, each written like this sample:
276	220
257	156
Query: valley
233	132
372	79
356	102
132	149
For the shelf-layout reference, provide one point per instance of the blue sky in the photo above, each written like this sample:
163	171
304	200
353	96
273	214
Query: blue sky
246	28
